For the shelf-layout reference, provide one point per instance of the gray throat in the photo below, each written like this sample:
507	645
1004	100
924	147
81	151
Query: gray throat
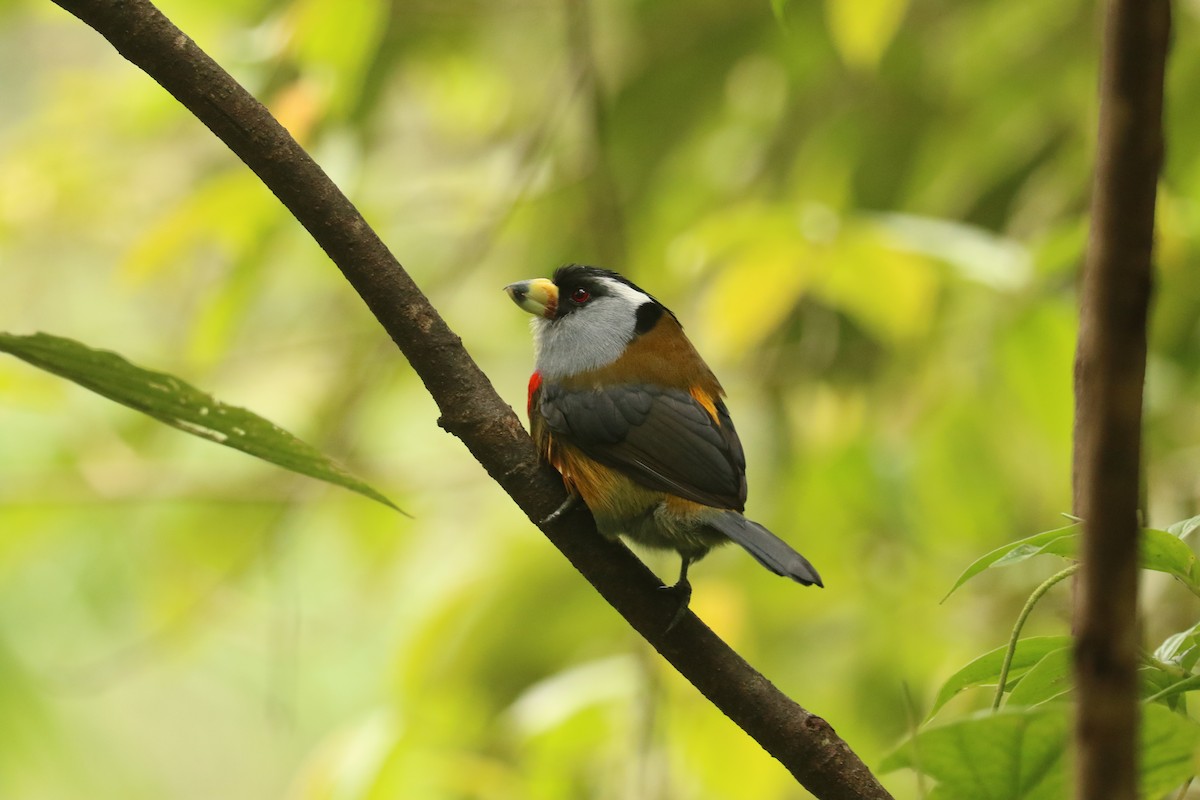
584	340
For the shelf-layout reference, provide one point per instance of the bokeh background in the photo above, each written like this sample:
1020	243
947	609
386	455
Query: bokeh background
869	215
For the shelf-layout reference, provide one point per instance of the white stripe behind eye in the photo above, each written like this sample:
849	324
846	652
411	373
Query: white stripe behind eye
627	293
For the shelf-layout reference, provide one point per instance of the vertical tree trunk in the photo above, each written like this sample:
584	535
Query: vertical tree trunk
1110	369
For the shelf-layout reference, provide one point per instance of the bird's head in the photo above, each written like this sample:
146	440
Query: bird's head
584	317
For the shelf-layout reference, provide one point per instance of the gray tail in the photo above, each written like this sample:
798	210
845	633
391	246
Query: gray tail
767	548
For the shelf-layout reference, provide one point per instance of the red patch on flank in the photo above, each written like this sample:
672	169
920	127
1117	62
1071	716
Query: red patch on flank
535	383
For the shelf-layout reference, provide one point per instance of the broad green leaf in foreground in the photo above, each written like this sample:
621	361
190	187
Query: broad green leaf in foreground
170	400
1049	679
985	670
1166	552
1018	753
1014	754
1170	745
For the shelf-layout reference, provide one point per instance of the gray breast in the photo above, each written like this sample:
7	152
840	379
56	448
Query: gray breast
586	339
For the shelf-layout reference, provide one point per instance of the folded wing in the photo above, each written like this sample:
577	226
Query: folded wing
663	439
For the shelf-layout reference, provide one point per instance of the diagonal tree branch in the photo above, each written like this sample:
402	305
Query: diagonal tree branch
470	408
1110	368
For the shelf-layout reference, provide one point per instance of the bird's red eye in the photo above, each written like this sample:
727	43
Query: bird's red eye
580	295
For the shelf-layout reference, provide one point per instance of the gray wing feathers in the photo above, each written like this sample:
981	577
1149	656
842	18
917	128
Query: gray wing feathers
662	438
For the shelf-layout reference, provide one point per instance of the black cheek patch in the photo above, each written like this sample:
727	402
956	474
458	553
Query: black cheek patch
648	315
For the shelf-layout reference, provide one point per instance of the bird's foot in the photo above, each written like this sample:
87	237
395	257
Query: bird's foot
682	590
568	504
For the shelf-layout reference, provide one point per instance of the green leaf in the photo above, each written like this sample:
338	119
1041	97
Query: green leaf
1049	679
1154	677
1017	753
985	670
170	400
1013	754
1181	648
1189	684
1166	552
1169	749
1160	551
1184	528
1066	546
1060	541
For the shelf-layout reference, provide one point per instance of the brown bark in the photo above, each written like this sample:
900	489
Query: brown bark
1110	370
470	409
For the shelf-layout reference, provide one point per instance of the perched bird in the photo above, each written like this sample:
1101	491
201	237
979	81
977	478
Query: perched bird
622	405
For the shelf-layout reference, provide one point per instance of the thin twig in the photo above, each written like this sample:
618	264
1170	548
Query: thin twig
1034	597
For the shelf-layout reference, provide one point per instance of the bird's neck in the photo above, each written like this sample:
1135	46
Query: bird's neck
565	349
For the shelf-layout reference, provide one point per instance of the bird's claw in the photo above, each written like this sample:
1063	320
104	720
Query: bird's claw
568	504
683	591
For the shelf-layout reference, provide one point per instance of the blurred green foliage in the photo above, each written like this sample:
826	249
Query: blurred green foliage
868	214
